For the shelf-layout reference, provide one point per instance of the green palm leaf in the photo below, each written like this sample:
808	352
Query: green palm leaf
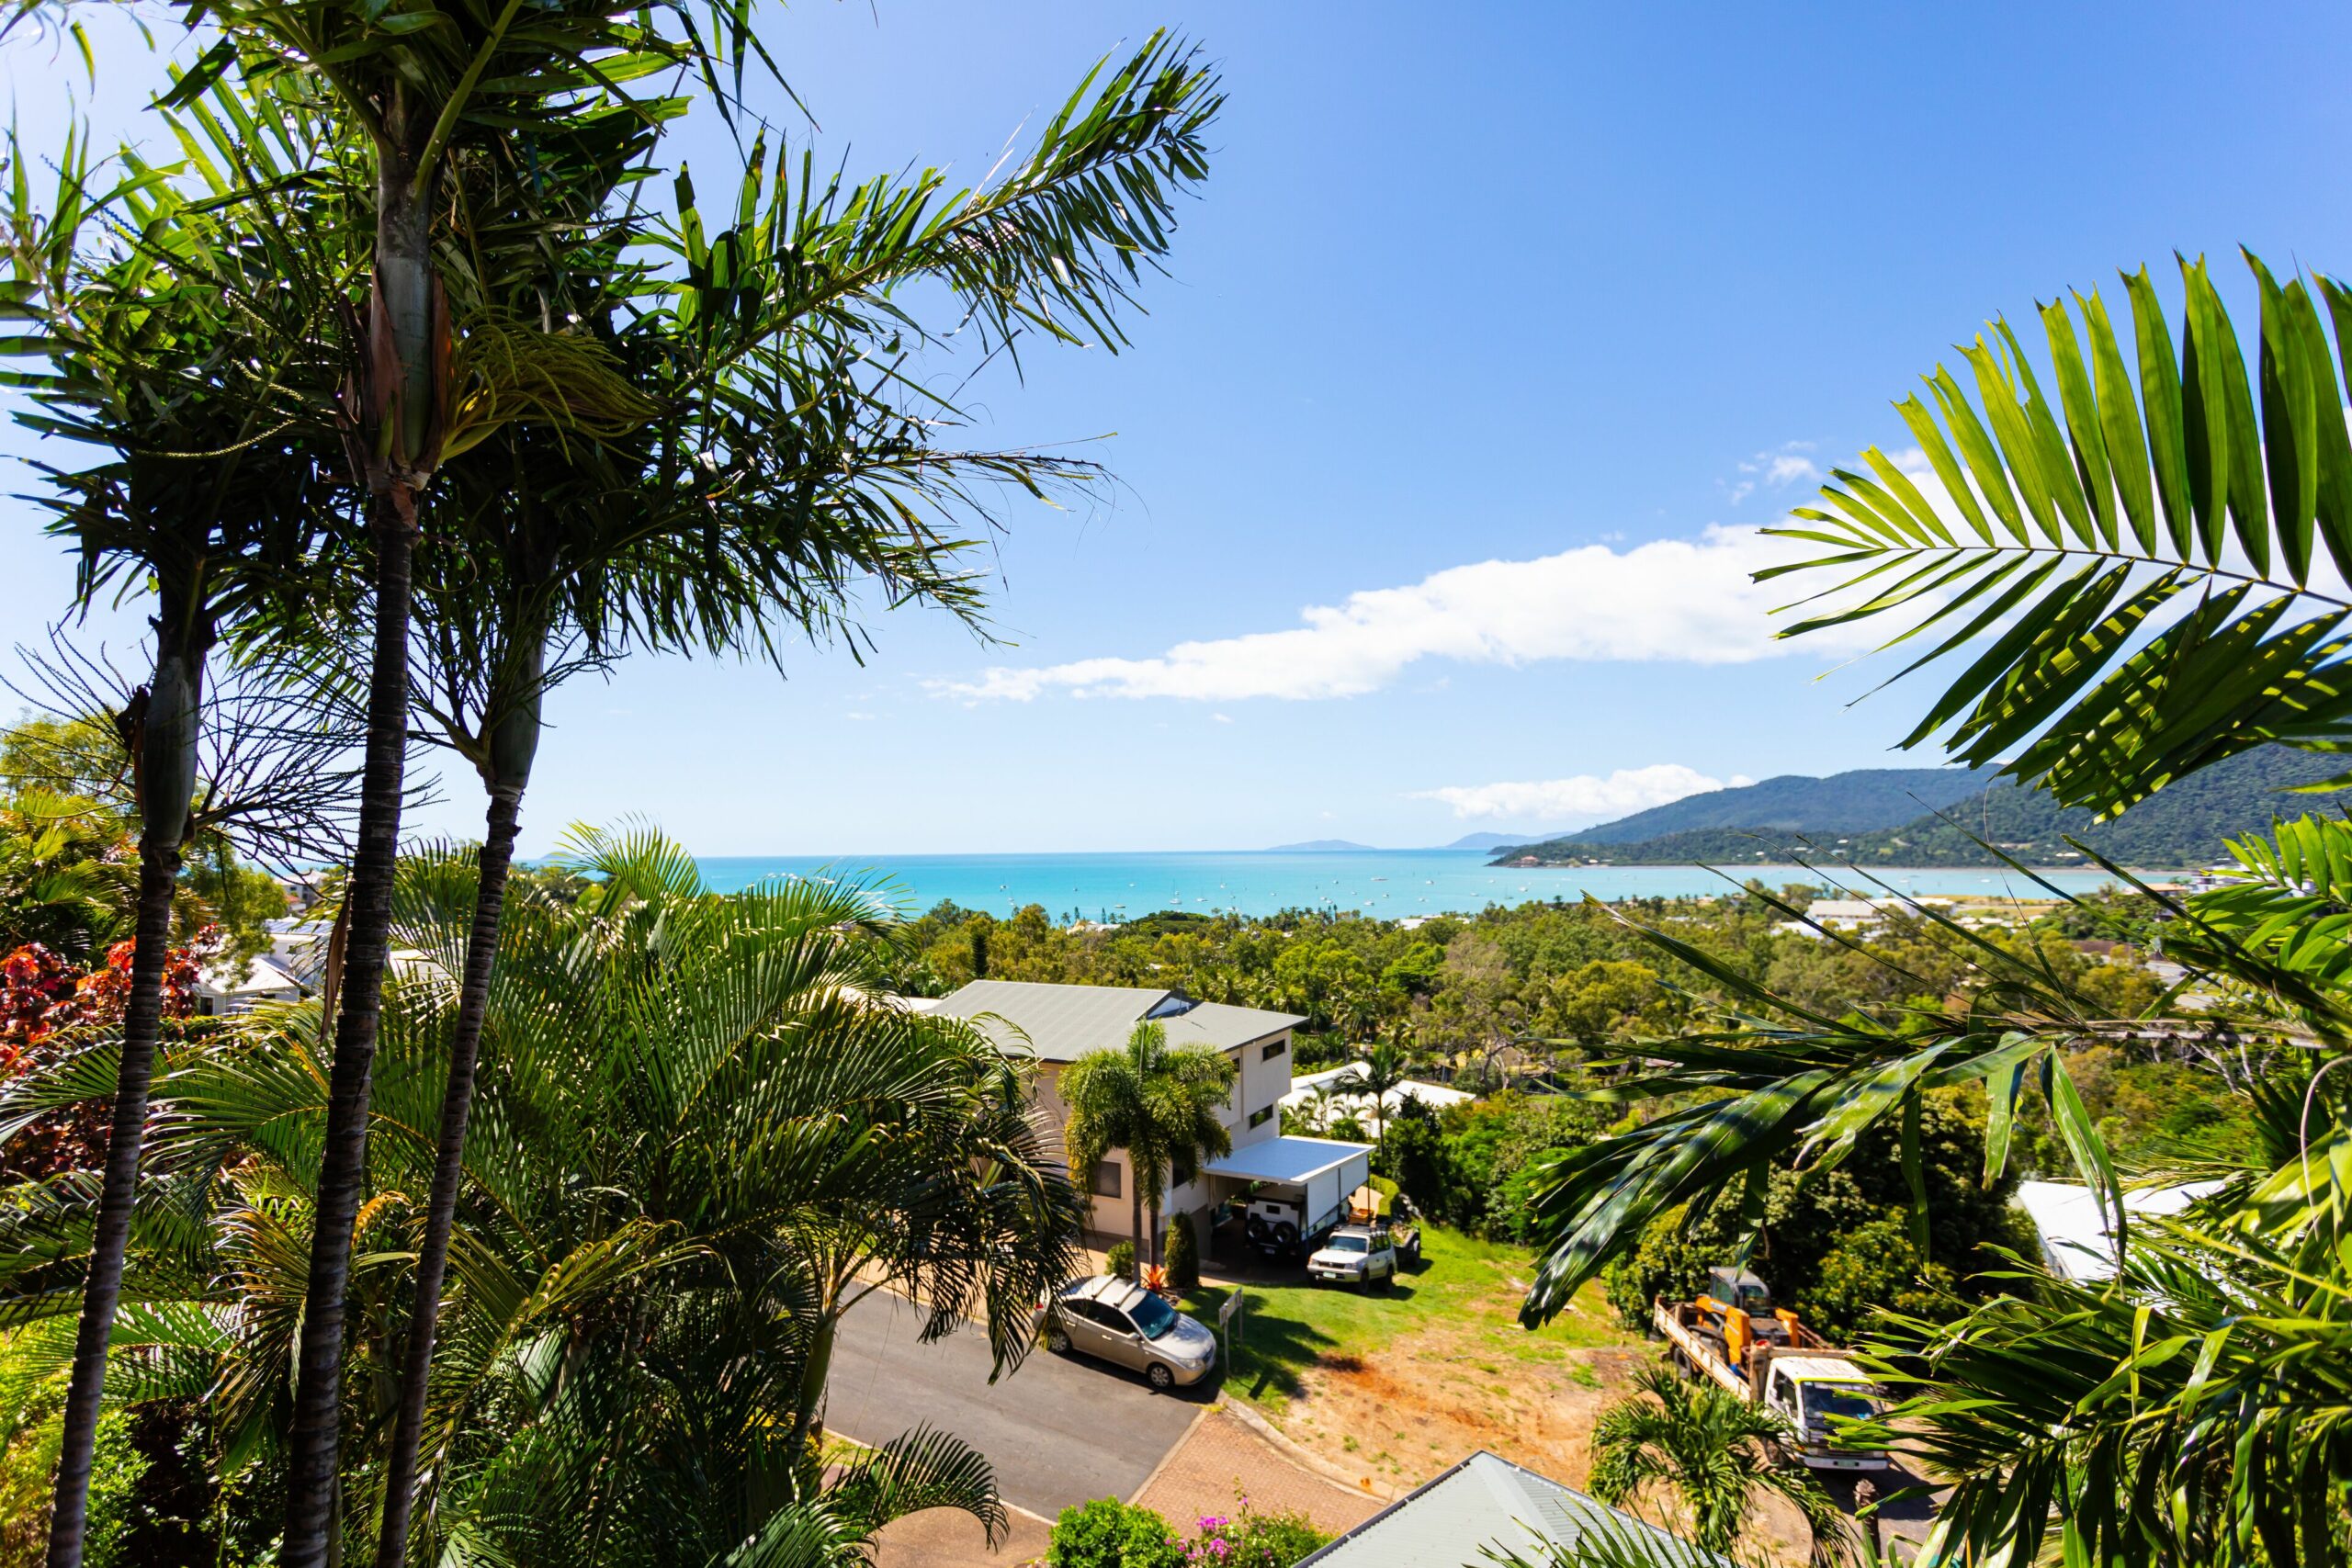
2150	572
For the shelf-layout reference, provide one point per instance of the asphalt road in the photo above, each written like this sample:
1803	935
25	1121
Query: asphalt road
1058	1430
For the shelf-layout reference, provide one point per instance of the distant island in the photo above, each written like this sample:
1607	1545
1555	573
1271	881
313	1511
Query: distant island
1934	817
1348	846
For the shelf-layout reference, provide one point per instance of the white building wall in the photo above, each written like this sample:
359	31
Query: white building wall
1259	1084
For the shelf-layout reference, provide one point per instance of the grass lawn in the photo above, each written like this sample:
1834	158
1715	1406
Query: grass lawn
1469	1288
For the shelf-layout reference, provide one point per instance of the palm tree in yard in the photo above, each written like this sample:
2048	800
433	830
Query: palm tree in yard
1159	1105
1384	1069
1713	1453
182	341
721	525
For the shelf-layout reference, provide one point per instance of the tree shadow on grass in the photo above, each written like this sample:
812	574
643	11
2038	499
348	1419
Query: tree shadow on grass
1275	1348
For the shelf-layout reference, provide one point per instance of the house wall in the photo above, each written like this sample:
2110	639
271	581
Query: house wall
1259	1085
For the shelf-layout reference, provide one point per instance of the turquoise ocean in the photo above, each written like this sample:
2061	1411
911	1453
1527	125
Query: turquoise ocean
1379	883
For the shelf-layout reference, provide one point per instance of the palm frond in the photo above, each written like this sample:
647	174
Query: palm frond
2139	581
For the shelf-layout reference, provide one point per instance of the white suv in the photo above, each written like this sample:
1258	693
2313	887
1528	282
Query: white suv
1354	1255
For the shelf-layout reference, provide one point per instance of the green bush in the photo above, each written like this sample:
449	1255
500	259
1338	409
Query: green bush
1121	1259
1877	1265
1183	1254
27	1469
1248	1538
1107	1533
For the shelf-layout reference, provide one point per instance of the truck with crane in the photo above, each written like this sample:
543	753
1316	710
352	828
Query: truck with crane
1735	1338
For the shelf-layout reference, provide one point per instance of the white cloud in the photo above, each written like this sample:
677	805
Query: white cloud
1683	601
1786	465
1586	797
1222	718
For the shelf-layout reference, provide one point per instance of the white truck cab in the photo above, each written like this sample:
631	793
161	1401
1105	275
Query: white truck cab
1817	1392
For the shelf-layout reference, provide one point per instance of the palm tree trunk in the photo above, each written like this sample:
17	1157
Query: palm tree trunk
441	1211
400	439
1157	1238
1134	1195
311	1478
164	724
142	1023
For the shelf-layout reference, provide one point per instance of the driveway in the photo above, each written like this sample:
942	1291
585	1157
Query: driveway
1058	1430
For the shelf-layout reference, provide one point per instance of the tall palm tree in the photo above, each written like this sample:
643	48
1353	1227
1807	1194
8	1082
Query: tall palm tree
1384	1068
1161	1107
556	543
439	91
1715	1453
174	348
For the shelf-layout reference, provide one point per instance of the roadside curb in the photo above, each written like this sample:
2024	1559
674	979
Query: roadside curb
1198	1417
1305	1458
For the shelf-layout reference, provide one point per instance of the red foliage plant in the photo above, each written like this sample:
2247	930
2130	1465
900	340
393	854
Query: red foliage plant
42	997
41	994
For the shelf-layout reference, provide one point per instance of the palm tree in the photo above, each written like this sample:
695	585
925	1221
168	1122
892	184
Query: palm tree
174	348
1713	1452
559	544
452	89
1163	1106
1384	1069
2154	555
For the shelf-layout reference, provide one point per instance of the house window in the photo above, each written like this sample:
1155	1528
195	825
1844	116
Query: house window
1181	1169
1106	1183
1274	1050
1261	1116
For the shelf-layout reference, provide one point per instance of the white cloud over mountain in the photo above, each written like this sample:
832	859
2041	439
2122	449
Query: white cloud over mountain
1687	601
1586	796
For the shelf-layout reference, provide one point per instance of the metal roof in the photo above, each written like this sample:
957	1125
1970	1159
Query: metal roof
1289	1160
2078	1242
1819	1369
1488	1501
1062	1023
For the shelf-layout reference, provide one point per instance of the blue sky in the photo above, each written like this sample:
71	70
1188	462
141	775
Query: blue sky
1494	332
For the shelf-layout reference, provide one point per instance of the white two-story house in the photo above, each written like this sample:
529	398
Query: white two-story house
1060	1023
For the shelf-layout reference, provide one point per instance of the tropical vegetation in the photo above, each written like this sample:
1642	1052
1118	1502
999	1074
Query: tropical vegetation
1712	1456
400	307
1107	1533
2130	584
710	1137
1159	1107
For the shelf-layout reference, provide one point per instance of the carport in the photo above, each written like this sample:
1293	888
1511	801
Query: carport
1316	1174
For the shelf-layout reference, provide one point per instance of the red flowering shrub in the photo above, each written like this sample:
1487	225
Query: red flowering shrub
41	995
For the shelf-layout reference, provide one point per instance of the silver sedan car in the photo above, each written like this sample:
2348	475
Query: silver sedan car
1120	1322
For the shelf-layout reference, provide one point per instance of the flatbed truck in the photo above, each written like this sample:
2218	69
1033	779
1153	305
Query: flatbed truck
1785	1366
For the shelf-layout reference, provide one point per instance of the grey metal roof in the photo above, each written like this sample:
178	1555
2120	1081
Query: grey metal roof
1065	1022
1488	1501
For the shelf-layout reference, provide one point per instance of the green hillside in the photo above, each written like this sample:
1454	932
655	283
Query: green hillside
2181	826
1865	798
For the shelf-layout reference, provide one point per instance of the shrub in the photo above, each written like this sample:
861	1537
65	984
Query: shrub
1248	1538
1107	1533
1876	1265
1183	1254
1121	1259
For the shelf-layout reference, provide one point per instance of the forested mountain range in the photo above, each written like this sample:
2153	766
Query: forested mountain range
1842	803
2181	826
